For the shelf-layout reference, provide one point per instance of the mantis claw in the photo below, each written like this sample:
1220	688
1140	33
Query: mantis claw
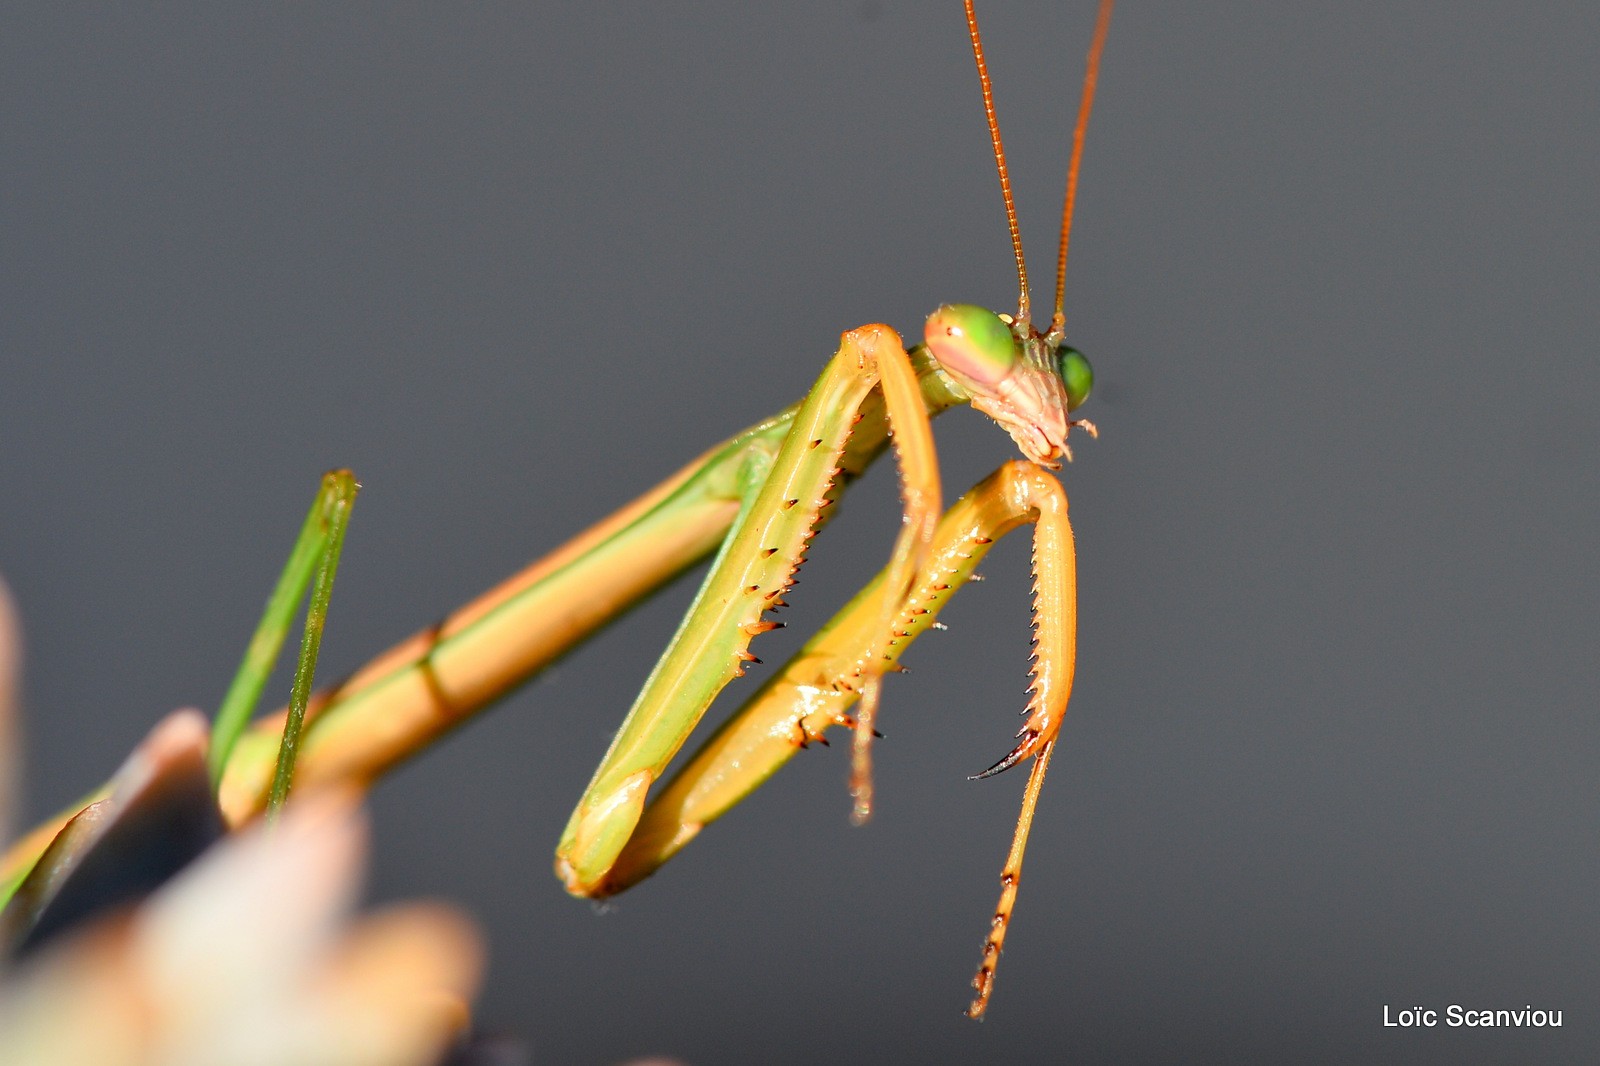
1015	755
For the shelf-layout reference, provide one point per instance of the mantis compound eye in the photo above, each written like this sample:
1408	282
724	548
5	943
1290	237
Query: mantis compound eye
1076	374
972	343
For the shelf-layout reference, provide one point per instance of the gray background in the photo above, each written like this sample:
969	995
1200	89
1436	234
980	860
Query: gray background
1333	744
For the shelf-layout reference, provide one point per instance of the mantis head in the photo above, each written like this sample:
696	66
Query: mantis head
1026	381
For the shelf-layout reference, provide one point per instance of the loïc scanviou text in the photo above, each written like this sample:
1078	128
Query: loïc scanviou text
1455	1015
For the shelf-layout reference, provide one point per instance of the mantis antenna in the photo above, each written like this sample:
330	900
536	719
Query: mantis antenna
1085	106
999	162
1091	76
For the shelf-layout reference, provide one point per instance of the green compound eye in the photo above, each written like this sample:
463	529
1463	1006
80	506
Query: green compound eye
1076	373
971	342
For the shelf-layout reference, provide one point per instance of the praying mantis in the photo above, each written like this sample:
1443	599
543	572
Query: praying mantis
755	501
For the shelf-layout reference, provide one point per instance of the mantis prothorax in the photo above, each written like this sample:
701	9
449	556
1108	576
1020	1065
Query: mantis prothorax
755	500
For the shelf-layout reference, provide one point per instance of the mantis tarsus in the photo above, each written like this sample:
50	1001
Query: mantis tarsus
755	501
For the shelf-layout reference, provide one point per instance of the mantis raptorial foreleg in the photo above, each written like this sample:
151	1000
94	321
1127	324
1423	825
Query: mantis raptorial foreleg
783	501
817	686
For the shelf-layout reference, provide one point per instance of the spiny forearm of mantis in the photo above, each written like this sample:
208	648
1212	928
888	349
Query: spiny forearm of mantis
817	686
782	499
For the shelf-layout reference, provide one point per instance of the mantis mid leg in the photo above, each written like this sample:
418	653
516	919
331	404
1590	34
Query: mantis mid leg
783	500
160	810
816	687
